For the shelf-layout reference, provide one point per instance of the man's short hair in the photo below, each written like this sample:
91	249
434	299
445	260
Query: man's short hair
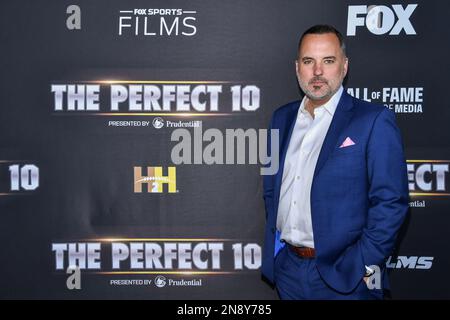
322	29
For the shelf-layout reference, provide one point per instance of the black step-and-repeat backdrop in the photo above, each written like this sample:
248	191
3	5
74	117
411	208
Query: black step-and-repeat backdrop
133	133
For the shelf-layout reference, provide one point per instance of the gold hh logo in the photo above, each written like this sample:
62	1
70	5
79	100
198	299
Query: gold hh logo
155	179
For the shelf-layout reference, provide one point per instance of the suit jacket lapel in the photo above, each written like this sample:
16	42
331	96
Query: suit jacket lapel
342	116
286	133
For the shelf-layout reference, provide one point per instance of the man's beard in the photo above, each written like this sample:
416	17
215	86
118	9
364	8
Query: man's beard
311	94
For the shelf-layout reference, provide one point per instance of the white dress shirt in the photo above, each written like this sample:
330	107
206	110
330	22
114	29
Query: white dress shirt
294	210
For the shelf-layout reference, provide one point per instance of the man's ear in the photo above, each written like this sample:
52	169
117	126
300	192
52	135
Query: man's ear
345	66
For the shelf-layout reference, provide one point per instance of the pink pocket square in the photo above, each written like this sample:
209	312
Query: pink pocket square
347	143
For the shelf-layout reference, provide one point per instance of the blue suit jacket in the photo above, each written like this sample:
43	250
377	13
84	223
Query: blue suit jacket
359	194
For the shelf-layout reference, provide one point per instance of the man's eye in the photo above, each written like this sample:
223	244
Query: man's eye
329	61
307	62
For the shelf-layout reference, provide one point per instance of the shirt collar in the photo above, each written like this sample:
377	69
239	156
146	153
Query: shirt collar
331	104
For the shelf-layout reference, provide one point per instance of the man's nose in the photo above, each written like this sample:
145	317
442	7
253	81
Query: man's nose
318	69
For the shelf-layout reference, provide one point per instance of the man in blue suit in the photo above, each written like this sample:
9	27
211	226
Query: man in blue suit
336	204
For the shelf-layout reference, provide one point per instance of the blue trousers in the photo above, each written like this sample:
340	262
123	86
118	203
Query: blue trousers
298	278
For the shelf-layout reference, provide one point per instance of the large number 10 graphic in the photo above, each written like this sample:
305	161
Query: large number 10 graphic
25	177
